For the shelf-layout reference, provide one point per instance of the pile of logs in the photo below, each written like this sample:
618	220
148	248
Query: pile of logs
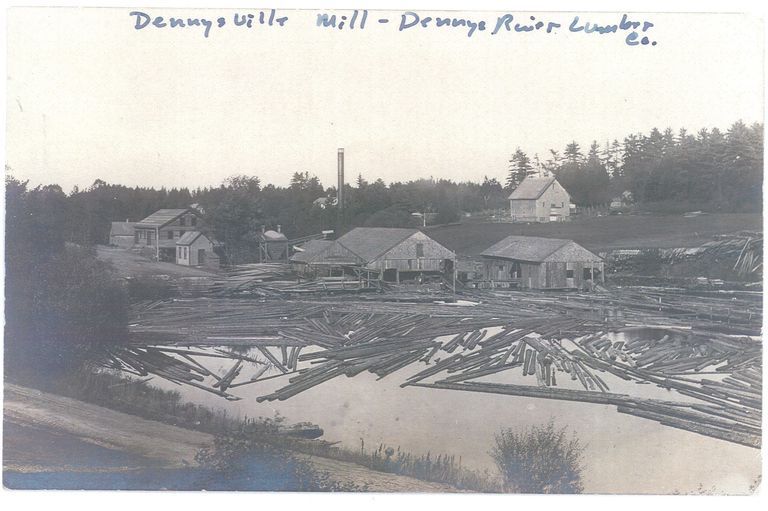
571	344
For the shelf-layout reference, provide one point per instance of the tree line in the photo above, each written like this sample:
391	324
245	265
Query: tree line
708	170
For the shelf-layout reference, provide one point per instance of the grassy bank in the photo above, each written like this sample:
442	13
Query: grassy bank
602	233
137	397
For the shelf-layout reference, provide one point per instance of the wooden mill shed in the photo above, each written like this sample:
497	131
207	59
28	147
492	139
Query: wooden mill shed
541	263
394	253
303	261
540	199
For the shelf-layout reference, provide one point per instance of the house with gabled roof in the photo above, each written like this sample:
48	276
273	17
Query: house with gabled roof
194	248
160	231
540	199
531	262
392	252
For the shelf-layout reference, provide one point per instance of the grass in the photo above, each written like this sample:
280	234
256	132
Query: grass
138	398
601	233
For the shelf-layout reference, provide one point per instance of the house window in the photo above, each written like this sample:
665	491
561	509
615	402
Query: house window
181	221
587	273
136	237
419	249
193	220
170	235
186	252
568	274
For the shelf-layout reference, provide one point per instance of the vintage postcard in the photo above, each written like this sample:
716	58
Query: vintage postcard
359	250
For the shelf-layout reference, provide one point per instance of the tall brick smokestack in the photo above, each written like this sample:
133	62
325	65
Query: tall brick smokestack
340	192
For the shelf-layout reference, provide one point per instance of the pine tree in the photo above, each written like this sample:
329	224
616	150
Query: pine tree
519	168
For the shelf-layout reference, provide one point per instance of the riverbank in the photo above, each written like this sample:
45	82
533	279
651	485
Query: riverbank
52	441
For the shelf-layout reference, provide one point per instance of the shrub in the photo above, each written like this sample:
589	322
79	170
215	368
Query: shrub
257	465
540	459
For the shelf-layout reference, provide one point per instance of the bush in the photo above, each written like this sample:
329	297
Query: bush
539	460
257	465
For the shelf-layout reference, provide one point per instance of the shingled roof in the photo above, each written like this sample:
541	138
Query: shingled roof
371	242
161	217
537	250
531	188
189	237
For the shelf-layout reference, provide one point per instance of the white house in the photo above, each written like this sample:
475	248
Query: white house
195	249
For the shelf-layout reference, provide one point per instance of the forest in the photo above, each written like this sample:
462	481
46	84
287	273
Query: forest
665	172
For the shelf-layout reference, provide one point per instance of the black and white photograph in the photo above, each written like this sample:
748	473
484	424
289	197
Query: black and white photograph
383	250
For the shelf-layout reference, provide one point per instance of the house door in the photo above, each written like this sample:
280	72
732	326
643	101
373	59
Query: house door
200	256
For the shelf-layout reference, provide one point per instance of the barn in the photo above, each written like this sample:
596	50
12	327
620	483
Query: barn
395	254
121	234
541	263
540	199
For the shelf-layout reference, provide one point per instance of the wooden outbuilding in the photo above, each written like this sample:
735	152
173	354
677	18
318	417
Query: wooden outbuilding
541	263
195	249
540	199
121	234
393	253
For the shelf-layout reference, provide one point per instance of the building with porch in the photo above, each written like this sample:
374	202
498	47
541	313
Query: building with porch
541	263
160	231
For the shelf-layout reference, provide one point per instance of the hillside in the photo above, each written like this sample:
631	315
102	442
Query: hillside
601	233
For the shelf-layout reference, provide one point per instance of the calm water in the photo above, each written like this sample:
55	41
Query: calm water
624	454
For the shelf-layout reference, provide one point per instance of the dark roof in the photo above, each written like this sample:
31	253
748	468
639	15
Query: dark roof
533	249
161	217
531	188
189	237
122	229
371	242
309	250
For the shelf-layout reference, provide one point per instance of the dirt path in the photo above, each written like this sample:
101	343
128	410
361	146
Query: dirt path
168	445
130	264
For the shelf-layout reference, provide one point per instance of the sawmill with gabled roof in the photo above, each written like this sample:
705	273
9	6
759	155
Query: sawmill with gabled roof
541	263
392	252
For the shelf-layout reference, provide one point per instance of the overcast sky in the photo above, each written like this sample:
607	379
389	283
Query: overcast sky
89	97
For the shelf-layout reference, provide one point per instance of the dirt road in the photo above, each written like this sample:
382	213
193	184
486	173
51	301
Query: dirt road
32	412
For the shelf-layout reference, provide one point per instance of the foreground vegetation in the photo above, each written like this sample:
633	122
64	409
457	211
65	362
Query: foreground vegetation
259	435
541	459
